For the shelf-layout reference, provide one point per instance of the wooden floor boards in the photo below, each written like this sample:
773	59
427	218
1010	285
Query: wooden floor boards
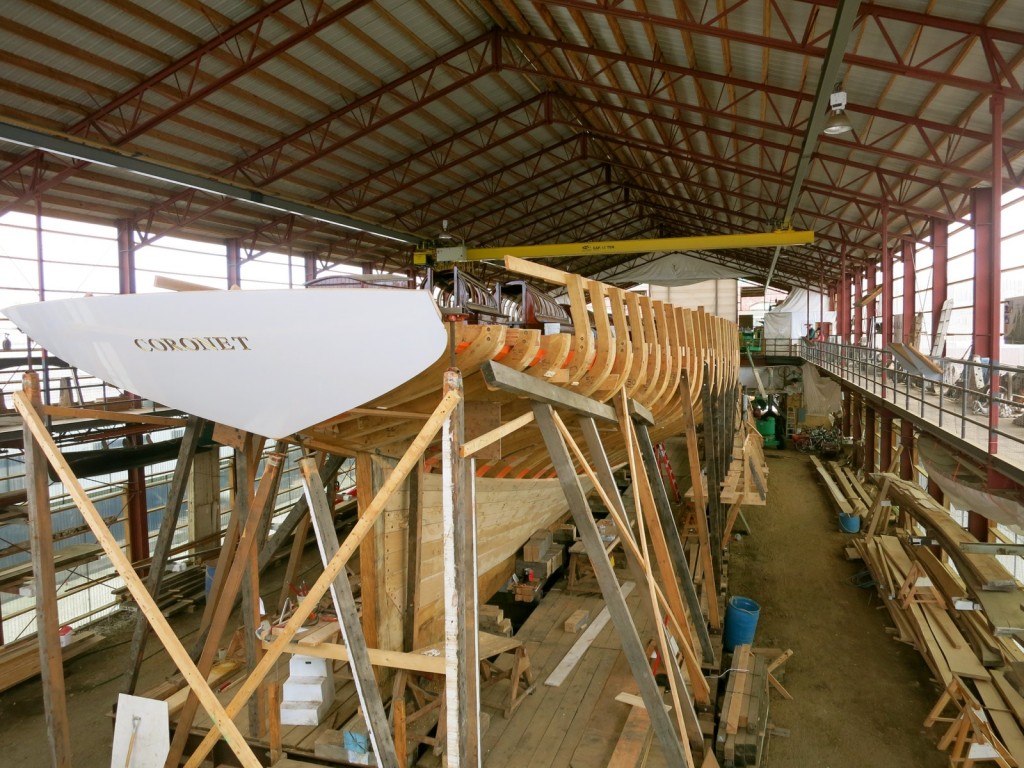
578	723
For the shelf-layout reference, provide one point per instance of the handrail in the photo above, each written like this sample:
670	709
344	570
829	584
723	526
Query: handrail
955	400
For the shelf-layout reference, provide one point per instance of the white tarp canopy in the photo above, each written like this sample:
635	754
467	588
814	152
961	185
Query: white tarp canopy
804	308
672	269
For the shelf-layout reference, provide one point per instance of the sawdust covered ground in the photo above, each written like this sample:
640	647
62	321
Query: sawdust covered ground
860	697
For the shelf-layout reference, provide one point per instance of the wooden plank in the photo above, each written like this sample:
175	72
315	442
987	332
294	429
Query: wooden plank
634	741
40	534
477	443
982	572
699	499
676	749
196	681
312	598
498	376
164	539
120	417
370	701
669	538
462	672
572	658
240	559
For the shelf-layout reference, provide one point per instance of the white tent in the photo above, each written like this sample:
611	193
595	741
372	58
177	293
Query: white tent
804	308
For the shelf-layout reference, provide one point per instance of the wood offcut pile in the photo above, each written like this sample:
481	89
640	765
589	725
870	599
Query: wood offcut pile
960	610
19	661
178	591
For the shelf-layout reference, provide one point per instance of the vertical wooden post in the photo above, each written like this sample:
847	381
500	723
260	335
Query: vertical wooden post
175	495
365	491
458	532
412	560
322	515
40	534
245	463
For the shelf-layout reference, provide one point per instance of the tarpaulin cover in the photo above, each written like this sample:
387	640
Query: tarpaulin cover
779	325
822	395
804	308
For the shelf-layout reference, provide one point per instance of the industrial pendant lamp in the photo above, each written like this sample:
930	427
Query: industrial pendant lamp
837	122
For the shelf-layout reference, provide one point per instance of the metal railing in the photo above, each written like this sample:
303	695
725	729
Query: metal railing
956	397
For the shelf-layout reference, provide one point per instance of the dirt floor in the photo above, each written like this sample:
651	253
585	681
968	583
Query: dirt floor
859	697
93	681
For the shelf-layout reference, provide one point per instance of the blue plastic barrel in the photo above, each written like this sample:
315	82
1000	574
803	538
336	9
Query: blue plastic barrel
849	523
740	622
211	571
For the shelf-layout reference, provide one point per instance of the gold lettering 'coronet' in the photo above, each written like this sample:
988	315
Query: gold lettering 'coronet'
195	344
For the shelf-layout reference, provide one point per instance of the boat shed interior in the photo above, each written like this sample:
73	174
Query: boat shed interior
549	383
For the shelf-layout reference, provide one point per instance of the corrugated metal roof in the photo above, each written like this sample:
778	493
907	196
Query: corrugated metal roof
564	119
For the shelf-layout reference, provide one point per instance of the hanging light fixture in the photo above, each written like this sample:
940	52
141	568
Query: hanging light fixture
837	122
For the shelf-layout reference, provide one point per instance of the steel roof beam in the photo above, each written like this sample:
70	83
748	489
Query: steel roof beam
805	46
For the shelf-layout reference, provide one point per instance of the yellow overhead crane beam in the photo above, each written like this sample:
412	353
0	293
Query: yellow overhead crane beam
778	238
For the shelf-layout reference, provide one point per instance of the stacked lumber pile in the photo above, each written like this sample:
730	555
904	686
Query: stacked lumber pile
743	724
746	480
64	558
491	618
848	494
959	610
19	661
541	557
178	591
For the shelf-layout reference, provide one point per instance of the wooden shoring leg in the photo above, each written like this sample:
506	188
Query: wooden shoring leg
245	467
370	701
676	749
145	601
40	534
164	539
636	559
699	503
458	533
337	564
714	483
298	514
291	569
223	604
671	535
648	520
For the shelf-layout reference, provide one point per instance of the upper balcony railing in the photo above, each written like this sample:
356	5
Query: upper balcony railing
956	397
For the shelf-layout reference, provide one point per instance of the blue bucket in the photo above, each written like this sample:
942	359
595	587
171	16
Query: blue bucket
849	523
740	622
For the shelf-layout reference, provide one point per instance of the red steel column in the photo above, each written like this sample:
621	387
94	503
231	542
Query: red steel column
909	289
869	309
885	433
886	302
310	262
869	439
940	274
858	310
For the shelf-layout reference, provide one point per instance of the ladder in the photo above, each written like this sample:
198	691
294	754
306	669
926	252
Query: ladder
940	332
666	470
